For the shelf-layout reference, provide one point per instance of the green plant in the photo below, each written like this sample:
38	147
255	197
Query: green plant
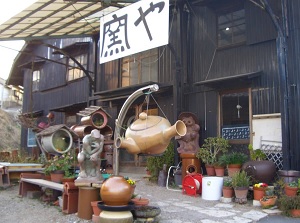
256	154
155	163
227	182
211	149
293	184
63	162
279	187
233	158
287	203
240	179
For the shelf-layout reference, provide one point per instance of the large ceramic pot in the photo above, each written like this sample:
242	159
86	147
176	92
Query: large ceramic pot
260	171
150	135
116	191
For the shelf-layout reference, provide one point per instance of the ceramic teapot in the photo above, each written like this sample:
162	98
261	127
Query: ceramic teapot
150	135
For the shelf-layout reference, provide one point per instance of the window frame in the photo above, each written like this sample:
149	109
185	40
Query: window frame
230	24
142	69
77	72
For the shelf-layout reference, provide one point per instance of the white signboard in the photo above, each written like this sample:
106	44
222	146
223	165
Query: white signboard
138	27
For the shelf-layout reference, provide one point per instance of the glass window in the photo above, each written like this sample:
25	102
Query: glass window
139	68
231	28
36	80
235	115
74	72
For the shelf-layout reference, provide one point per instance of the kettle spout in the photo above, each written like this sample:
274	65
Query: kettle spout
178	129
129	144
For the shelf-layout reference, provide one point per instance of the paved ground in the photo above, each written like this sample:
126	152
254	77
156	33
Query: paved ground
175	208
180	208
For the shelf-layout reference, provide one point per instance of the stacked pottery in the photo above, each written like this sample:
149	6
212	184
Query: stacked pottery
116	194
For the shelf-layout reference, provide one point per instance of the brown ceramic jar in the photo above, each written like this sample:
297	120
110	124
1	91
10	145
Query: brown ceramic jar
116	191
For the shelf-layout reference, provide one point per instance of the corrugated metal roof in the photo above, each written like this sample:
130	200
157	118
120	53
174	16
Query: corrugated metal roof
59	19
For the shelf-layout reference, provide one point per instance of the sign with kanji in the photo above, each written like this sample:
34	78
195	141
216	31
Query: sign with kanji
138	27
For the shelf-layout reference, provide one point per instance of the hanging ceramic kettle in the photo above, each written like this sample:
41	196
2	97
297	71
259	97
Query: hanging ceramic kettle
150	135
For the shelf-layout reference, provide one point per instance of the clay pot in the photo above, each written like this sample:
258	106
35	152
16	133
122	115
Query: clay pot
258	193
290	191
220	171
260	171
150	135
233	168
96	209
268	201
140	201
210	170
116	191
57	176
228	192
295	213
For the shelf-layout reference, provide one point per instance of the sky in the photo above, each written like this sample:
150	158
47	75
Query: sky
9	49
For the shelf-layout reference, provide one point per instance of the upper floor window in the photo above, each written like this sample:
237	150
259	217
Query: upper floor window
74	72
231	28
139	68
36	75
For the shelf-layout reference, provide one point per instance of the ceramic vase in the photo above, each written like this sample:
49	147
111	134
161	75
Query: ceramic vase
116	191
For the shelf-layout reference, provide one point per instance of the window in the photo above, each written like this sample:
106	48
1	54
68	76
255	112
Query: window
35	80
139	68
231	28
235	115
74	72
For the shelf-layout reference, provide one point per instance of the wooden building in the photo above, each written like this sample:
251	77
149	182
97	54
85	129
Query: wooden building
229	62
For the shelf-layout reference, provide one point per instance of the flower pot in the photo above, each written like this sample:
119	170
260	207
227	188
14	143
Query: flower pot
96	209
69	179
57	176
258	193
220	171
241	194
290	191
140	201
268	201
295	213
228	192
210	170
233	168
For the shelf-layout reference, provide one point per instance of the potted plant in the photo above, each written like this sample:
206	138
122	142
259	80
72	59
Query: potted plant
212	148
259	168
227	188
59	166
233	161
291	188
290	206
259	190
240	184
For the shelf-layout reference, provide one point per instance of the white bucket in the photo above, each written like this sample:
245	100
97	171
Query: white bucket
212	188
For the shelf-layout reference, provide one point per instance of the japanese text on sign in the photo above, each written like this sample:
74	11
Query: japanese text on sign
141	26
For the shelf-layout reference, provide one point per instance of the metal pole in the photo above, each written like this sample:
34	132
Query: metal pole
119	121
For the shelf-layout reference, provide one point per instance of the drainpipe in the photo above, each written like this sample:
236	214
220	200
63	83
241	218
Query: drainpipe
284	82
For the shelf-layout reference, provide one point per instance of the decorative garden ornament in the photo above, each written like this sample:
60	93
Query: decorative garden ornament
150	135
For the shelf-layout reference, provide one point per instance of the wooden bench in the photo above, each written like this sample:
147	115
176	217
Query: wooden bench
34	182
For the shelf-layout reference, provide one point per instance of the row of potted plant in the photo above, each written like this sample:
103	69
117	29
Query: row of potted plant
267	196
214	153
